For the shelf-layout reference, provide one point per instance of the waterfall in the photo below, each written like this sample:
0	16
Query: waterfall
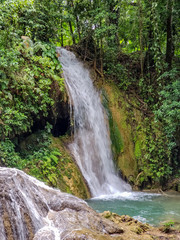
91	147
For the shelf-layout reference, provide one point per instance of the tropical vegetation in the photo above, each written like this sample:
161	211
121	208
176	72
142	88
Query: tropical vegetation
135	43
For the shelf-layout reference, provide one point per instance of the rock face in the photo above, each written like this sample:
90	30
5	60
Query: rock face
31	210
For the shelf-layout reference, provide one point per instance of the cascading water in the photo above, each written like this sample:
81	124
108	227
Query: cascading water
30	210
91	146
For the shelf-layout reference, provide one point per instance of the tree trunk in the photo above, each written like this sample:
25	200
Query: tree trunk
169	43
78	27
72	34
141	37
77	20
62	37
114	21
149	64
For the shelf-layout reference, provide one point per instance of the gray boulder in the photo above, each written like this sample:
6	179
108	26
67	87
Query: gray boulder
31	210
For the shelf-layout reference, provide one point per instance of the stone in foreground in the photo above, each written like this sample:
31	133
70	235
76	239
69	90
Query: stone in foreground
31	210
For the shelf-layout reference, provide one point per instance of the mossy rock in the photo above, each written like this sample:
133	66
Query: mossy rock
58	169
133	136
121	131
71	180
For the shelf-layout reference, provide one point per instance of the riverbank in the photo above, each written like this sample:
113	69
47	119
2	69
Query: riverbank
133	229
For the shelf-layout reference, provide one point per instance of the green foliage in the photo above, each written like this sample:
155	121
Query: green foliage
28	69
37	20
43	165
35	155
152	153
26	79
112	67
8	155
137	149
127	41
167	226
157	157
168	111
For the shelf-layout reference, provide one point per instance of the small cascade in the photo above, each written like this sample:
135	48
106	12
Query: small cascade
91	146
30	210
23	205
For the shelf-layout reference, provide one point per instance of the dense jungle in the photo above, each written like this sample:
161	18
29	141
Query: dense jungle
132	48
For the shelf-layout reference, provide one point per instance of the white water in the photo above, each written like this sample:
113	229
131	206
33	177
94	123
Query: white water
91	147
31	210
24	195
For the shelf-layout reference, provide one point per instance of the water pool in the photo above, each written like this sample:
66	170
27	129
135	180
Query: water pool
145	207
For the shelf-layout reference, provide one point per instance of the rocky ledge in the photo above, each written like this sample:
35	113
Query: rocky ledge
135	230
31	210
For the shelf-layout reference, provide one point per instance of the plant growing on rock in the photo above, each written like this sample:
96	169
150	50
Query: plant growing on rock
167	226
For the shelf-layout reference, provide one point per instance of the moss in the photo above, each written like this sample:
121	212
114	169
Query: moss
120	130
137	142
107	214
115	135
71	180
137	149
137	230
47	158
116	138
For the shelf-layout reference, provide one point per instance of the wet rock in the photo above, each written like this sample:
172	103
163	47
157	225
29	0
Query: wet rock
31	210
133	229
